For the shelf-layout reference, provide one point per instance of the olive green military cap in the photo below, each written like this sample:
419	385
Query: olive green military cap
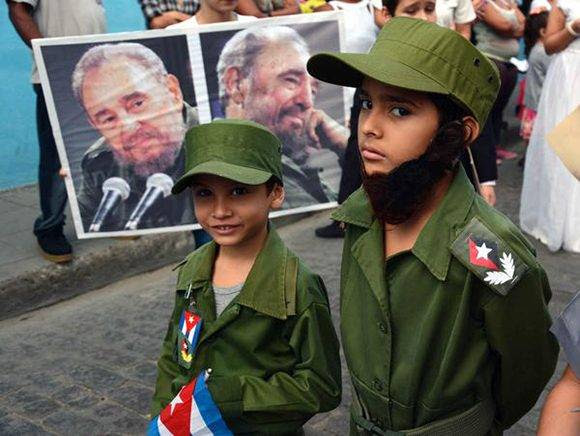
239	150
421	56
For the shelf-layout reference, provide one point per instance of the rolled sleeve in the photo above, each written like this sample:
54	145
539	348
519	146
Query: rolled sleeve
292	398
567	330
227	394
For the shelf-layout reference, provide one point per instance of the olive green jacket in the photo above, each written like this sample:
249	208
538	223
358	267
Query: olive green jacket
273	351
427	334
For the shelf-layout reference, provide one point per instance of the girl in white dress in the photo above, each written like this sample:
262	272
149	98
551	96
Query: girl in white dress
550	202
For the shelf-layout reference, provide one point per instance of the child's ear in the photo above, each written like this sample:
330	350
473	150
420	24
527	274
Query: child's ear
277	195
471	129
381	16
542	32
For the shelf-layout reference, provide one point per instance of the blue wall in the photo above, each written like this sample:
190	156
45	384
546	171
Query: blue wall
18	144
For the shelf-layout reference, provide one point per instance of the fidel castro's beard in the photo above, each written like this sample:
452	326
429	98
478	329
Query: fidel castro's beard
401	193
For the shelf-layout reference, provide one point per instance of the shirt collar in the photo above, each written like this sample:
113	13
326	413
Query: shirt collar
265	287
356	210
264	290
432	245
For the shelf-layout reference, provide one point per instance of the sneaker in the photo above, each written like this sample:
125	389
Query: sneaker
333	230
502	153
55	247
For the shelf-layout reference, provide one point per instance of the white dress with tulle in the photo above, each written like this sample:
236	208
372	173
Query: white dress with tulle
550	201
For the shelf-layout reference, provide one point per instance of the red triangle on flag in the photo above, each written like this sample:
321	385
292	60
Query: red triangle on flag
477	256
191	319
176	415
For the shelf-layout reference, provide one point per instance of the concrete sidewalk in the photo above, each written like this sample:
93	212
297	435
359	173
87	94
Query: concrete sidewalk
28	281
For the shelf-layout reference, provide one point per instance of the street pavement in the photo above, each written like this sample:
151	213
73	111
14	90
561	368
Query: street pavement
87	366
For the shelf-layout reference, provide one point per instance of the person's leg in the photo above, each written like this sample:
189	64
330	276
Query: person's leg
48	226
508	77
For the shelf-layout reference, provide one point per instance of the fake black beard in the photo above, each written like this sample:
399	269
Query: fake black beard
398	195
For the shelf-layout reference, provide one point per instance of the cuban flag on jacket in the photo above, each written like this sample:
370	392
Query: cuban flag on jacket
192	412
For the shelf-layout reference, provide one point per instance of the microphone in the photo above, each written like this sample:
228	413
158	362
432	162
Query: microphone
158	186
115	190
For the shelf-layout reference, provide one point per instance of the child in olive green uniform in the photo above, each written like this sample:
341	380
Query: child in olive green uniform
443	304
269	356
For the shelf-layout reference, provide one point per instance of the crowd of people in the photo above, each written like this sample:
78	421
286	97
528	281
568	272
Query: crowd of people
444	318
496	27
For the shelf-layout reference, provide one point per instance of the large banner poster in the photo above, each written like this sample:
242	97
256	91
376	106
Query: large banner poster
120	106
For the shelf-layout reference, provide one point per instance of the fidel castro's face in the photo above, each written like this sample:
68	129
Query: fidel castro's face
280	93
395	125
233	213
139	115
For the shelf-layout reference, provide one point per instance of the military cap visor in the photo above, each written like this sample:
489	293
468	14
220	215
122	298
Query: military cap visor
245	175
420	56
239	150
349	69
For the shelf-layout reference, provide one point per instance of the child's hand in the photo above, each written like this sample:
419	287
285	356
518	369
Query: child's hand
63	173
488	194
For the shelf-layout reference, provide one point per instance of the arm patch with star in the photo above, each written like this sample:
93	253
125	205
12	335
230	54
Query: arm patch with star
483	253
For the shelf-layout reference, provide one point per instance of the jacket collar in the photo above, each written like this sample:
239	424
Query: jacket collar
356	210
432	245
265	287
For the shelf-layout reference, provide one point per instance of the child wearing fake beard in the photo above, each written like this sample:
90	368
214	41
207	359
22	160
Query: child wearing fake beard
443	305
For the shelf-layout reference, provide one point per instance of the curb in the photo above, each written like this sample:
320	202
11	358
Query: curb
52	284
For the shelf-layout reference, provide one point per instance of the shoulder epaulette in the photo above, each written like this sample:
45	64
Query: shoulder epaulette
180	264
488	256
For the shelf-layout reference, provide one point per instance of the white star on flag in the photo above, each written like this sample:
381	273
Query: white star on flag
191	319
482	251
177	400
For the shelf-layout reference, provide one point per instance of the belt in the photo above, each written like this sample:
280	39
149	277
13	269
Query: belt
475	421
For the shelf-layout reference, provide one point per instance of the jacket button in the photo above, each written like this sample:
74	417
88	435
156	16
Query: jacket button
377	384
383	328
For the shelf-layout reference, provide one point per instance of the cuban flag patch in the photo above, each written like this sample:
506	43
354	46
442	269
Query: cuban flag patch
483	253
192	412
187	337
488	256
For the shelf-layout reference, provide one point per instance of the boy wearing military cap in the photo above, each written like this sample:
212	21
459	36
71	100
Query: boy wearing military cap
250	344
443	304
